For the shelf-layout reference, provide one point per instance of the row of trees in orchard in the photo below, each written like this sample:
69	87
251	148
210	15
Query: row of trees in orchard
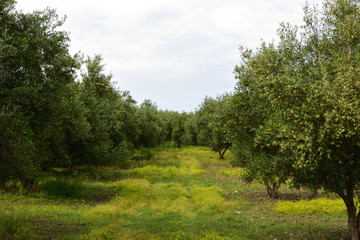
59	110
295	113
48	118
205	127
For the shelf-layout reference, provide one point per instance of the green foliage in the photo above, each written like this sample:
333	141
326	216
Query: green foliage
47	119
190	130
203	115
36	70
220	137
173	128
96	83
150	124
108	116
18	157
146	153
206	126
249	111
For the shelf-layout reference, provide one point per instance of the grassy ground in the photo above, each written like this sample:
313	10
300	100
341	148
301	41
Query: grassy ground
180	194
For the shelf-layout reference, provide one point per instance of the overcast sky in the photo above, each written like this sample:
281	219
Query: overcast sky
174	52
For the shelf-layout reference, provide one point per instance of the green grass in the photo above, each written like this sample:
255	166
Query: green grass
177	194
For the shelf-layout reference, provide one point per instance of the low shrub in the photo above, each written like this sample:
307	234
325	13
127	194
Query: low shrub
62	188
143	154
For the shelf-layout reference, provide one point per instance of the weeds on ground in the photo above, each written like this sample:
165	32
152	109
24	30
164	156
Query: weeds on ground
178	194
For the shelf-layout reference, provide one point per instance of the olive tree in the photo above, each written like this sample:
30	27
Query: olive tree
36	70
251	114
111	116
190	135
313	92
149	125
220	138
209	125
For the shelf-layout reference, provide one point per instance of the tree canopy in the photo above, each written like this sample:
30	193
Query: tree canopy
306	101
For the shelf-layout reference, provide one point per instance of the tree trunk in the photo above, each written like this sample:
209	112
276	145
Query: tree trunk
28	183
222	153
353	217
353	225
272	190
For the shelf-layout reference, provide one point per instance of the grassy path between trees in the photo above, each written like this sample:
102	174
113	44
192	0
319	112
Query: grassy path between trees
181	194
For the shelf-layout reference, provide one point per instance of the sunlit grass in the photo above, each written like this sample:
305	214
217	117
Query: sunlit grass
153	172
239	173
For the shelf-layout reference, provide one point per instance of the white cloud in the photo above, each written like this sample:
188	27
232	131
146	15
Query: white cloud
172	52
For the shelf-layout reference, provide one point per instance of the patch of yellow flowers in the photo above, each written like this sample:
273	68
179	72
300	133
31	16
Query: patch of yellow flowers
240	173
320	206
